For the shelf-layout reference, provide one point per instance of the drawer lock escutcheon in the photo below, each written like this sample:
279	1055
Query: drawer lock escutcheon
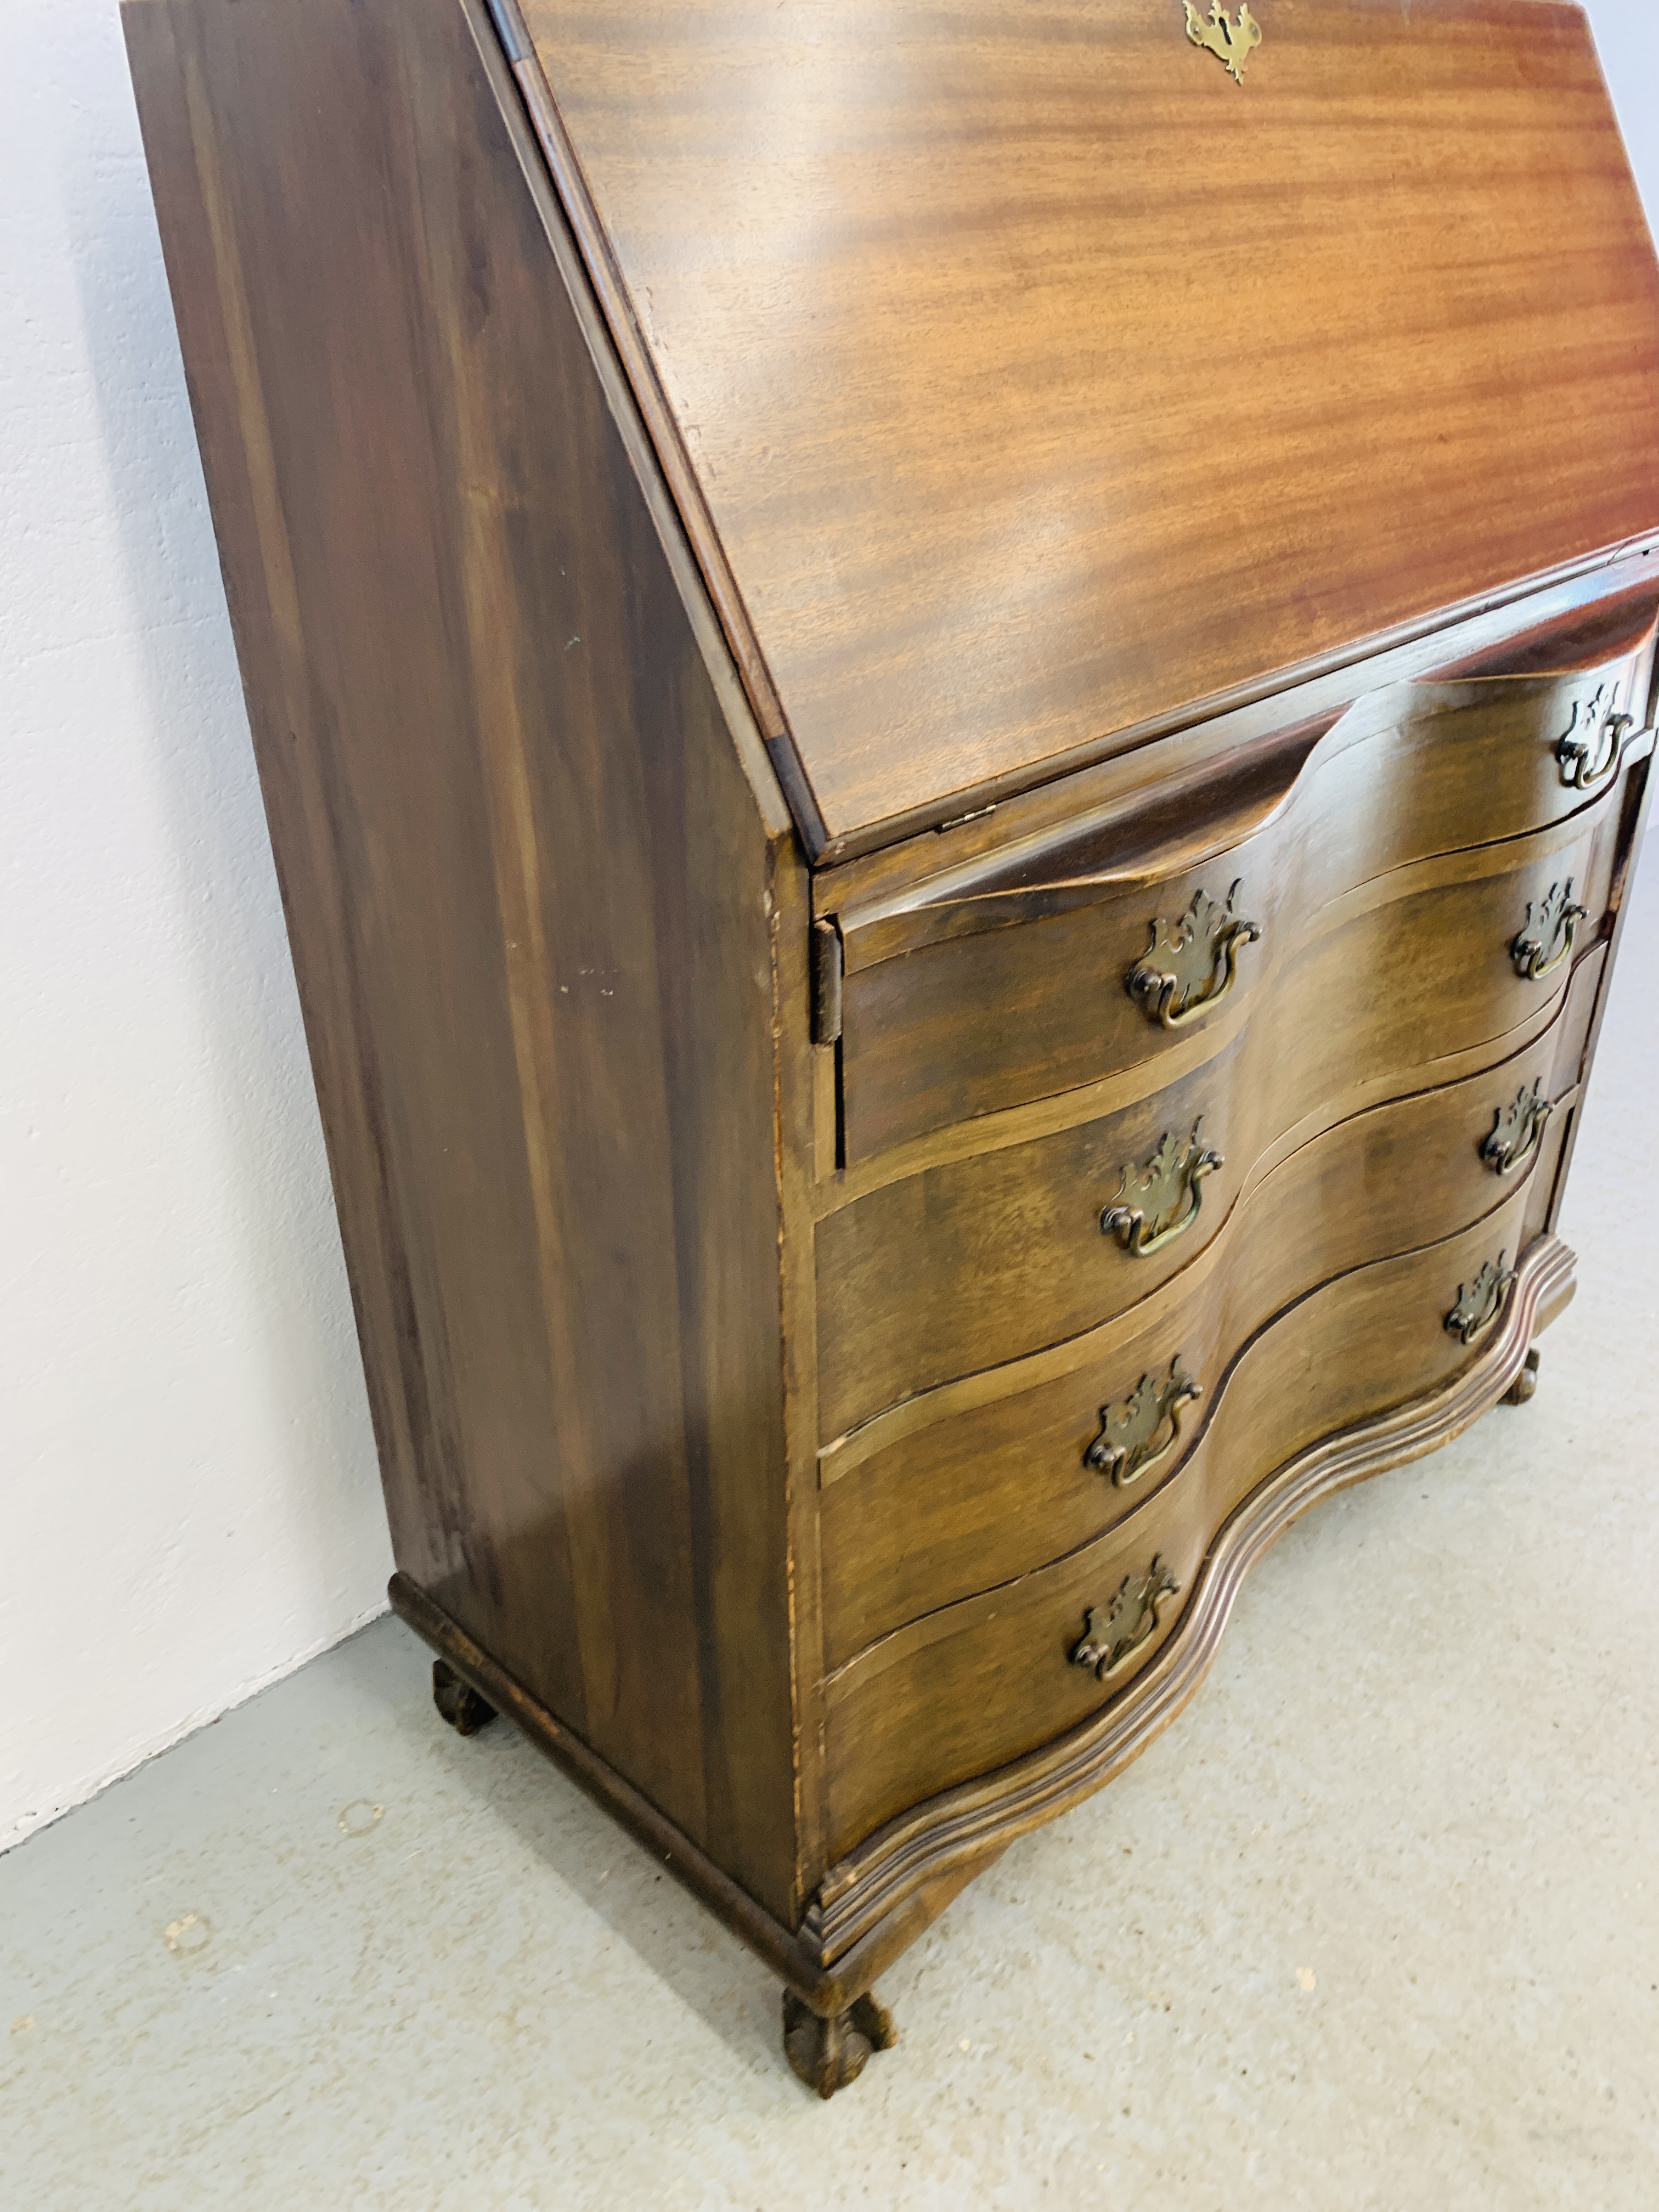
1140	1431
1588	749
1190	968
1159	1199
1480	1303
1516	1132
1545	936
1115	1632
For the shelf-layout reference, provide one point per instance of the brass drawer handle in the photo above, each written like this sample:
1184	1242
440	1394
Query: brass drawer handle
1140	1431
1480	1303
1113	1633
1516	1132
1188	969
1159	1200
1545	939
1588	749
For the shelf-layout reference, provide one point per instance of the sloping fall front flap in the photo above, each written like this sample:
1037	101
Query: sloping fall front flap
1042	371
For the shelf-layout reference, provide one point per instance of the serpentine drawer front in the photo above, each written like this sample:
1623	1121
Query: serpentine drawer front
953	851
990	1476
978	1260
1050	970
968	1689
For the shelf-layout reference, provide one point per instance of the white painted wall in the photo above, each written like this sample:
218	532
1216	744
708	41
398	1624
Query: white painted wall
188	1500
1627	40
189	1504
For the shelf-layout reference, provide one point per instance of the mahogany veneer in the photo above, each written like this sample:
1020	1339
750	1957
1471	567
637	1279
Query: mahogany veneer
954	703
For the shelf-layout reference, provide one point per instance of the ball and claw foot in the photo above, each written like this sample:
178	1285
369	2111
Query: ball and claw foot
828	2054
458	1701
1524	1383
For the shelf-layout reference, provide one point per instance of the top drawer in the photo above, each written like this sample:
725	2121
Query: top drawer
1048	965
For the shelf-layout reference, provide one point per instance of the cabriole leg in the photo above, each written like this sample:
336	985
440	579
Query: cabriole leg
828	2054
458	1701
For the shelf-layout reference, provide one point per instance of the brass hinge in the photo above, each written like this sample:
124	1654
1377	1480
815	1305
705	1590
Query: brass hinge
827	965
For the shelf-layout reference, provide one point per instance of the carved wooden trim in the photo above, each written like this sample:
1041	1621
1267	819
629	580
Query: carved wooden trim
876	1901
978	1818
826	2053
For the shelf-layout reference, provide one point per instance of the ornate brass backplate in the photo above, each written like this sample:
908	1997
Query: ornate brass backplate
1587	748
1185	970
1545	939
1141	1430
1480	1303
1113	1633
1514	1137
1159	1197
1232	44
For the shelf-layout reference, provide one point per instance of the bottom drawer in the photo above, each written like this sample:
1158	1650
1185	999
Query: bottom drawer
966	1689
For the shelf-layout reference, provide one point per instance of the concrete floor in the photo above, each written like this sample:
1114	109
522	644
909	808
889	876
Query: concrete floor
1376	1924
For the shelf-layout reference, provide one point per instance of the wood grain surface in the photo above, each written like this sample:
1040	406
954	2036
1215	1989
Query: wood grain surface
978	1261
1040	381
1465	755
986	1479
1597	614
929	1841
922	404
530	889
1416	957
827	1983
966	1689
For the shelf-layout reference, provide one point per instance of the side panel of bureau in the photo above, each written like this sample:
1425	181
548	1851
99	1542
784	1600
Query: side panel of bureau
530	887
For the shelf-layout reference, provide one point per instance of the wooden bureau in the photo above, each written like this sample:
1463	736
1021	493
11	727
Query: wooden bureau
955	702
